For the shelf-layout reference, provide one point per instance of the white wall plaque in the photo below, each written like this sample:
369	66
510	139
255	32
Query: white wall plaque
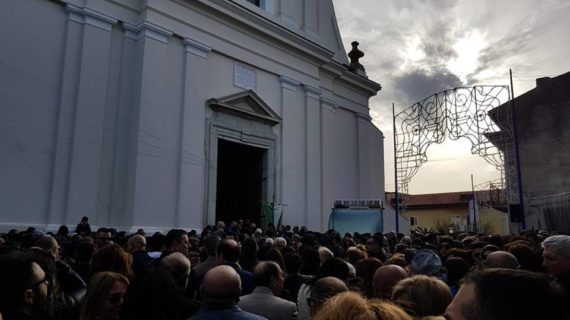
244	77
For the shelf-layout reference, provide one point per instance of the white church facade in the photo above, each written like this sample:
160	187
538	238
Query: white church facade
157	114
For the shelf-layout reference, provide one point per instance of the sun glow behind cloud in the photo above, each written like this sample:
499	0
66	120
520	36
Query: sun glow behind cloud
413	54
468	50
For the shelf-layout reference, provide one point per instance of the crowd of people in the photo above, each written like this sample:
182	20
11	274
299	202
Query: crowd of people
239	271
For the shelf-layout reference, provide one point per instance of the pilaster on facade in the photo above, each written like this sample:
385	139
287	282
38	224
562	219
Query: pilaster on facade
150	94
85	153
289	83
197	48
313	155
191	137
66	108
362	126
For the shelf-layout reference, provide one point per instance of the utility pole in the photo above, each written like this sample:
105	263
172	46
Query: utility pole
396	198
517	154
474	208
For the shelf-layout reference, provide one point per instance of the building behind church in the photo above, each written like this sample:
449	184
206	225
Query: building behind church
157	114
542	117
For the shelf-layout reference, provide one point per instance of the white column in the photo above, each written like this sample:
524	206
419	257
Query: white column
125	129
146	204
67	98
313	164
292	151
89	115
190	185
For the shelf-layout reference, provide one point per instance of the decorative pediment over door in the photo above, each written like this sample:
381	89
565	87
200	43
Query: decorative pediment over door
247	105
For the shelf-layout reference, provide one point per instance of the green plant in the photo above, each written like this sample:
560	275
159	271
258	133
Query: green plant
443	227
423	231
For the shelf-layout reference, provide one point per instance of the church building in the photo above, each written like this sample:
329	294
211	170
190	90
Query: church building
158	114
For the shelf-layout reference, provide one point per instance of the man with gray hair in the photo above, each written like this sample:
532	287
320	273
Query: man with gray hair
556	259
136	246
178	265
264	300
556	255
325	254
279	243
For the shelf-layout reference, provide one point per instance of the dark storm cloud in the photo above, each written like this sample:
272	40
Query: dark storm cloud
437	44
417	85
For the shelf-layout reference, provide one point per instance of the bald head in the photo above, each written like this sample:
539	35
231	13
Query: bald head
501	259
136	243
264	271
269	274
385	278
179	266
324	289
229	250
221	285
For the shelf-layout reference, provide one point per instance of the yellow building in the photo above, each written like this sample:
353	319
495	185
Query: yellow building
449	212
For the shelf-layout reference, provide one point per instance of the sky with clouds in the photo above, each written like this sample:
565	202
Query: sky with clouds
415	48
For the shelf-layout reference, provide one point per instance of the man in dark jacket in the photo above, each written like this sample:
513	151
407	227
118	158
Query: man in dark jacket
229	252
83	227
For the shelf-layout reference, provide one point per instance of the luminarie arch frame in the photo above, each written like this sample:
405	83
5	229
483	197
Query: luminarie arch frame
463	112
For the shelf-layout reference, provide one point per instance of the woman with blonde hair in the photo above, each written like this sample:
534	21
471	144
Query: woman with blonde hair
104	297
422	296
351	305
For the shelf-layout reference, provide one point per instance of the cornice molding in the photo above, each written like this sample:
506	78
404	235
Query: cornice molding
329	104
147	29
98	19
75	13
196	48
340	73
363	83
273	29
312	92
364	118
90	17
289	83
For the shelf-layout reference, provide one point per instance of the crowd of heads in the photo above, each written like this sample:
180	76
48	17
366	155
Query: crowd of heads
238	270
